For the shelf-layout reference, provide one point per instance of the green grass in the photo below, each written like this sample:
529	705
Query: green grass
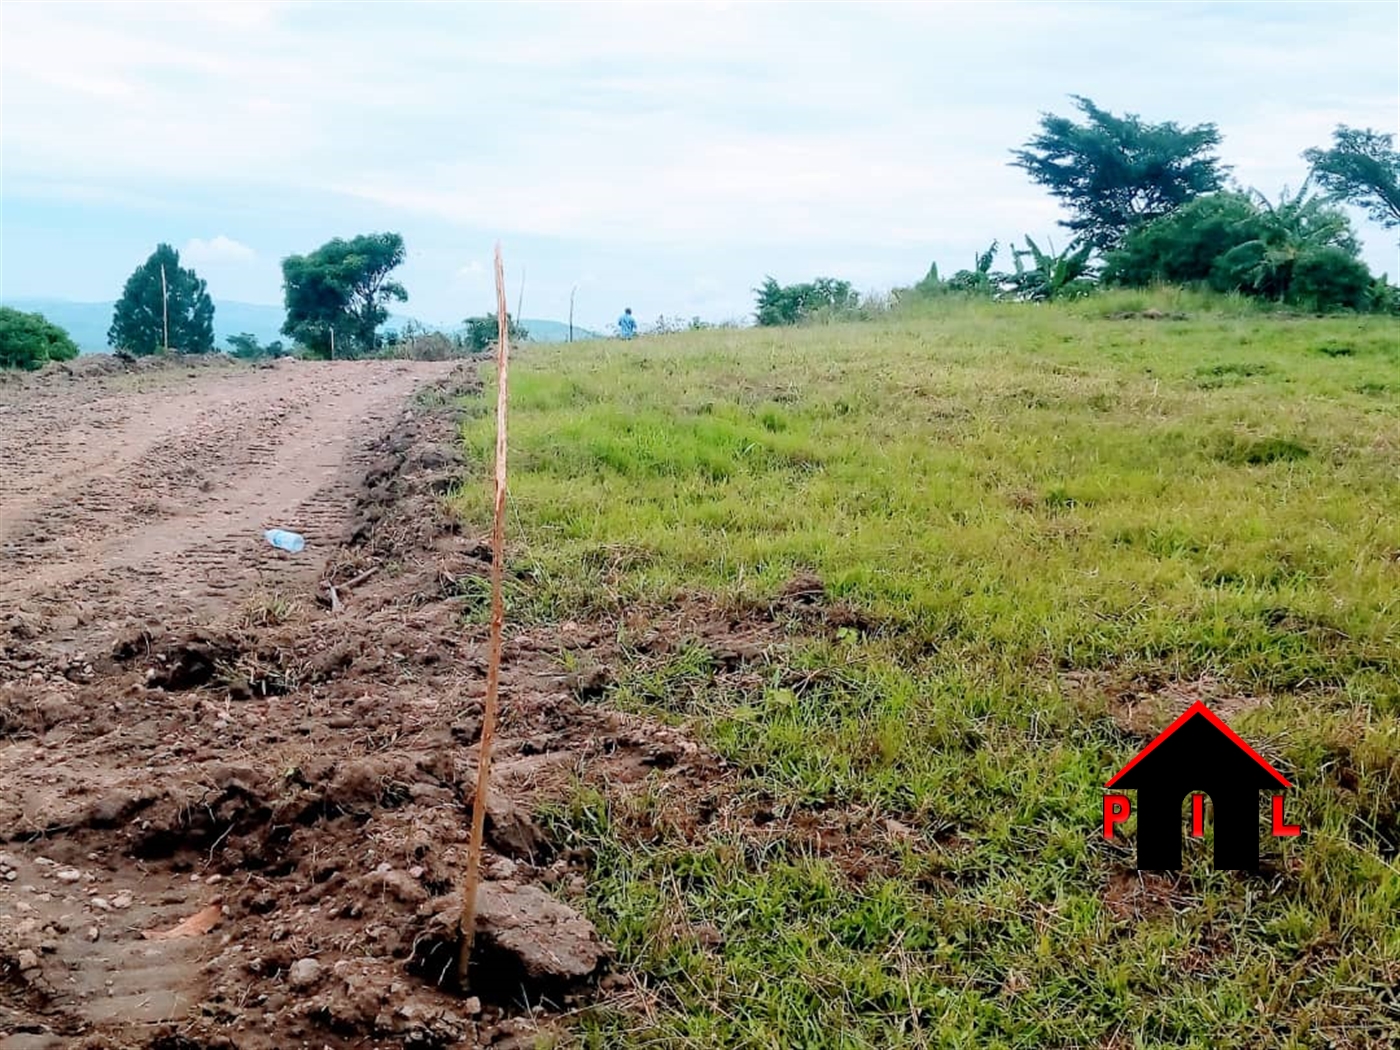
1011	495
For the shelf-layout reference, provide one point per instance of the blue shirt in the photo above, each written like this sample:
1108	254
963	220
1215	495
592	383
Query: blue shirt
627	326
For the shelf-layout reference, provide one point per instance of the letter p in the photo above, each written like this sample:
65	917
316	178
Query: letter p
1116	809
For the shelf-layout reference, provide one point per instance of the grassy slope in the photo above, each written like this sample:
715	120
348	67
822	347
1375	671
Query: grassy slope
1017	493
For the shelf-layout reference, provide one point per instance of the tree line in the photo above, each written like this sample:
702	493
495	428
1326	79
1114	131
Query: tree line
1150	203
336	299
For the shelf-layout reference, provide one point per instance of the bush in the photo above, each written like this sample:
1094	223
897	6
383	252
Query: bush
1383	297
31	340
424	346
1182	248
794	303
245	347
481	332
1330	279
1299	252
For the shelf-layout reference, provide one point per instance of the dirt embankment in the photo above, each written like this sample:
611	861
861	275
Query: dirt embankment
233	812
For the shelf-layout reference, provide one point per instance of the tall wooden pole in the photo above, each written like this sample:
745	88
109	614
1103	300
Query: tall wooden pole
493	669
164	310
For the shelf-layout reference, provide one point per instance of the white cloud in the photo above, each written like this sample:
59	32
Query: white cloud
619	138
218	249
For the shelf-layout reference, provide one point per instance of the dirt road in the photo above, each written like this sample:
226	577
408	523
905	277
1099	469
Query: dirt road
233	811
147	496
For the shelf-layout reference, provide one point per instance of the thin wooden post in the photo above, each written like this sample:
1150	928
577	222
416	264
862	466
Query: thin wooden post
472	878
164	309
571	312
520	299
332	344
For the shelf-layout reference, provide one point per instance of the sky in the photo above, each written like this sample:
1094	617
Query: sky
661	156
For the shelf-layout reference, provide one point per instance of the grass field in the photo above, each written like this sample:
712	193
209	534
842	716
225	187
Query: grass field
1040	512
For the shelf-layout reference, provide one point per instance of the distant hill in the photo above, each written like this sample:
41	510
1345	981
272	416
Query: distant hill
555	331
87	323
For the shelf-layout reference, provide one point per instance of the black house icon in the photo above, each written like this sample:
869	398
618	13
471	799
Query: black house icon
1198	752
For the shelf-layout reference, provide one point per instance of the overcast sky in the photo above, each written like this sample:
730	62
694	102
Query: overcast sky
662	156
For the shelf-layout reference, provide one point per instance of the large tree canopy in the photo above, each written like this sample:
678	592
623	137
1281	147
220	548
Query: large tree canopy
1361	168
30	340
1116	173
342	287
138	321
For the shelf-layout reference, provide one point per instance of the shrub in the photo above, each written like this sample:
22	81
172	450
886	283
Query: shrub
1182	248
481	332
1330	279
31	340
791	304
245	347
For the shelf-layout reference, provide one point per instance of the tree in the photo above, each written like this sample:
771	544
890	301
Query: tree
1182	248
151	299
1116	173
482	332
1283	235
343	287
31	340
245	347
1361	168
783	305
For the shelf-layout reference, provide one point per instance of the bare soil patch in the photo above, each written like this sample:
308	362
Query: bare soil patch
1144	705
234	808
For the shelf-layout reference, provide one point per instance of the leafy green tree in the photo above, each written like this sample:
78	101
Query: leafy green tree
245	347
343	287
1062	276
31	340
1283	234
1116	173
480	333
1361	168
1182	248
791	304
139	319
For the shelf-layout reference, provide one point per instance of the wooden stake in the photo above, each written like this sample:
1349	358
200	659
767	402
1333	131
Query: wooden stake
571	312
493	670
164	309
520	299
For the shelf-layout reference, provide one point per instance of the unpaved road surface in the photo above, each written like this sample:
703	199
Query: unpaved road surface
149	494
233	810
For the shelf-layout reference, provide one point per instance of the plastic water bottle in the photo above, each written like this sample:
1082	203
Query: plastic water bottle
283	540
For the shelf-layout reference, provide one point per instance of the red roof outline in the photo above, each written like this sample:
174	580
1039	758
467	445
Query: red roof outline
1186	716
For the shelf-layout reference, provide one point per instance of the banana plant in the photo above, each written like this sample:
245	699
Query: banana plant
1052	276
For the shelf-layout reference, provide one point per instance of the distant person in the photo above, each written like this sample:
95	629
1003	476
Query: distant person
627	324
